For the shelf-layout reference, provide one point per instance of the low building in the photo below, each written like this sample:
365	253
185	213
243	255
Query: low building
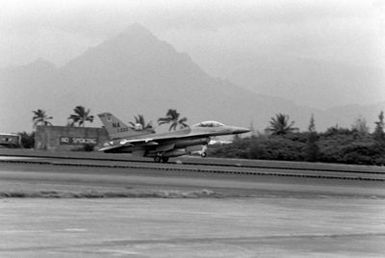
69	138
9	140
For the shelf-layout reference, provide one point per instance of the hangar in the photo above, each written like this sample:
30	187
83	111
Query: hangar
67	138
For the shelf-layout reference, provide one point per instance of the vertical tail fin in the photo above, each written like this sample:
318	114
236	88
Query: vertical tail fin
116	129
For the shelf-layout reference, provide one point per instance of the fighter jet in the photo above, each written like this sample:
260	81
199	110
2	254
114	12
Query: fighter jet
162	146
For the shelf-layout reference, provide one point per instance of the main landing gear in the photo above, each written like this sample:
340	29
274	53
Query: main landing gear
203	151
159	158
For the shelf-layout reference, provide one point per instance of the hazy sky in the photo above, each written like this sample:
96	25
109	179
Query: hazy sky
345	31
332	33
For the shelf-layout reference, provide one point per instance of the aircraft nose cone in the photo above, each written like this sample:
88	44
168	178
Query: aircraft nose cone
240	130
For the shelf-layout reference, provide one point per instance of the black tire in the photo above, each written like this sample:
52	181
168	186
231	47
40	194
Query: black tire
203	154
157	158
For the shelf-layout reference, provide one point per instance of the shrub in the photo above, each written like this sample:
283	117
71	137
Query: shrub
27	140
337	145
85	147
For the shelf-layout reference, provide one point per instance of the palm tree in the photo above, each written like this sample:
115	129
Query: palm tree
279	125
140	120
172	117
379	133
81	116
40	118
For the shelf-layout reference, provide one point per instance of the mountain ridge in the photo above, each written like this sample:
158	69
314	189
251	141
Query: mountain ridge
136	73
317	83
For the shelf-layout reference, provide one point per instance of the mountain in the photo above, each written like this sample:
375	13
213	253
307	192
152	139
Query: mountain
136	73
306	81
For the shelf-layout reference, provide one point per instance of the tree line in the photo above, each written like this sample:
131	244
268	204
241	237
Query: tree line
81	115
282	141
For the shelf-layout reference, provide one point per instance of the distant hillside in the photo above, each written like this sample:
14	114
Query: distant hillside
310	82
136	73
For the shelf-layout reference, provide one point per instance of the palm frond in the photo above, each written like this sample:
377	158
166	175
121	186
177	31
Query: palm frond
40	117
81	115
279	125
164	120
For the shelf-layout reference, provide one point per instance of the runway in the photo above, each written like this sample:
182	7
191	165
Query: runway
231	227
51	210
198	165
36	180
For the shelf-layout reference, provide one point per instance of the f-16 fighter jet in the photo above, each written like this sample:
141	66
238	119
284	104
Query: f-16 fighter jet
162	146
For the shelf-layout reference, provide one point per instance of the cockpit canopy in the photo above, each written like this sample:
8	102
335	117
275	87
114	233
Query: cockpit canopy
209	124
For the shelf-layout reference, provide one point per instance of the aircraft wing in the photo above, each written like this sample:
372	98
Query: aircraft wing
145	142
124	143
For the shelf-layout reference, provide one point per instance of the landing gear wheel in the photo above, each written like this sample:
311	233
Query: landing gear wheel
157	158
203	151
164	159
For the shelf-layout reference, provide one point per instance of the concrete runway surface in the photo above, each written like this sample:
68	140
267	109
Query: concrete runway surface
184	215
233	227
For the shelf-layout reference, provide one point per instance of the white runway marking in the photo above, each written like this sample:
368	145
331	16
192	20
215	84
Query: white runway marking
16	158
18	231
75	229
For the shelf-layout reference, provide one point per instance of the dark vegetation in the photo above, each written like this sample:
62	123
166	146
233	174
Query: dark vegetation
85	147
335	145
96	194
27	140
